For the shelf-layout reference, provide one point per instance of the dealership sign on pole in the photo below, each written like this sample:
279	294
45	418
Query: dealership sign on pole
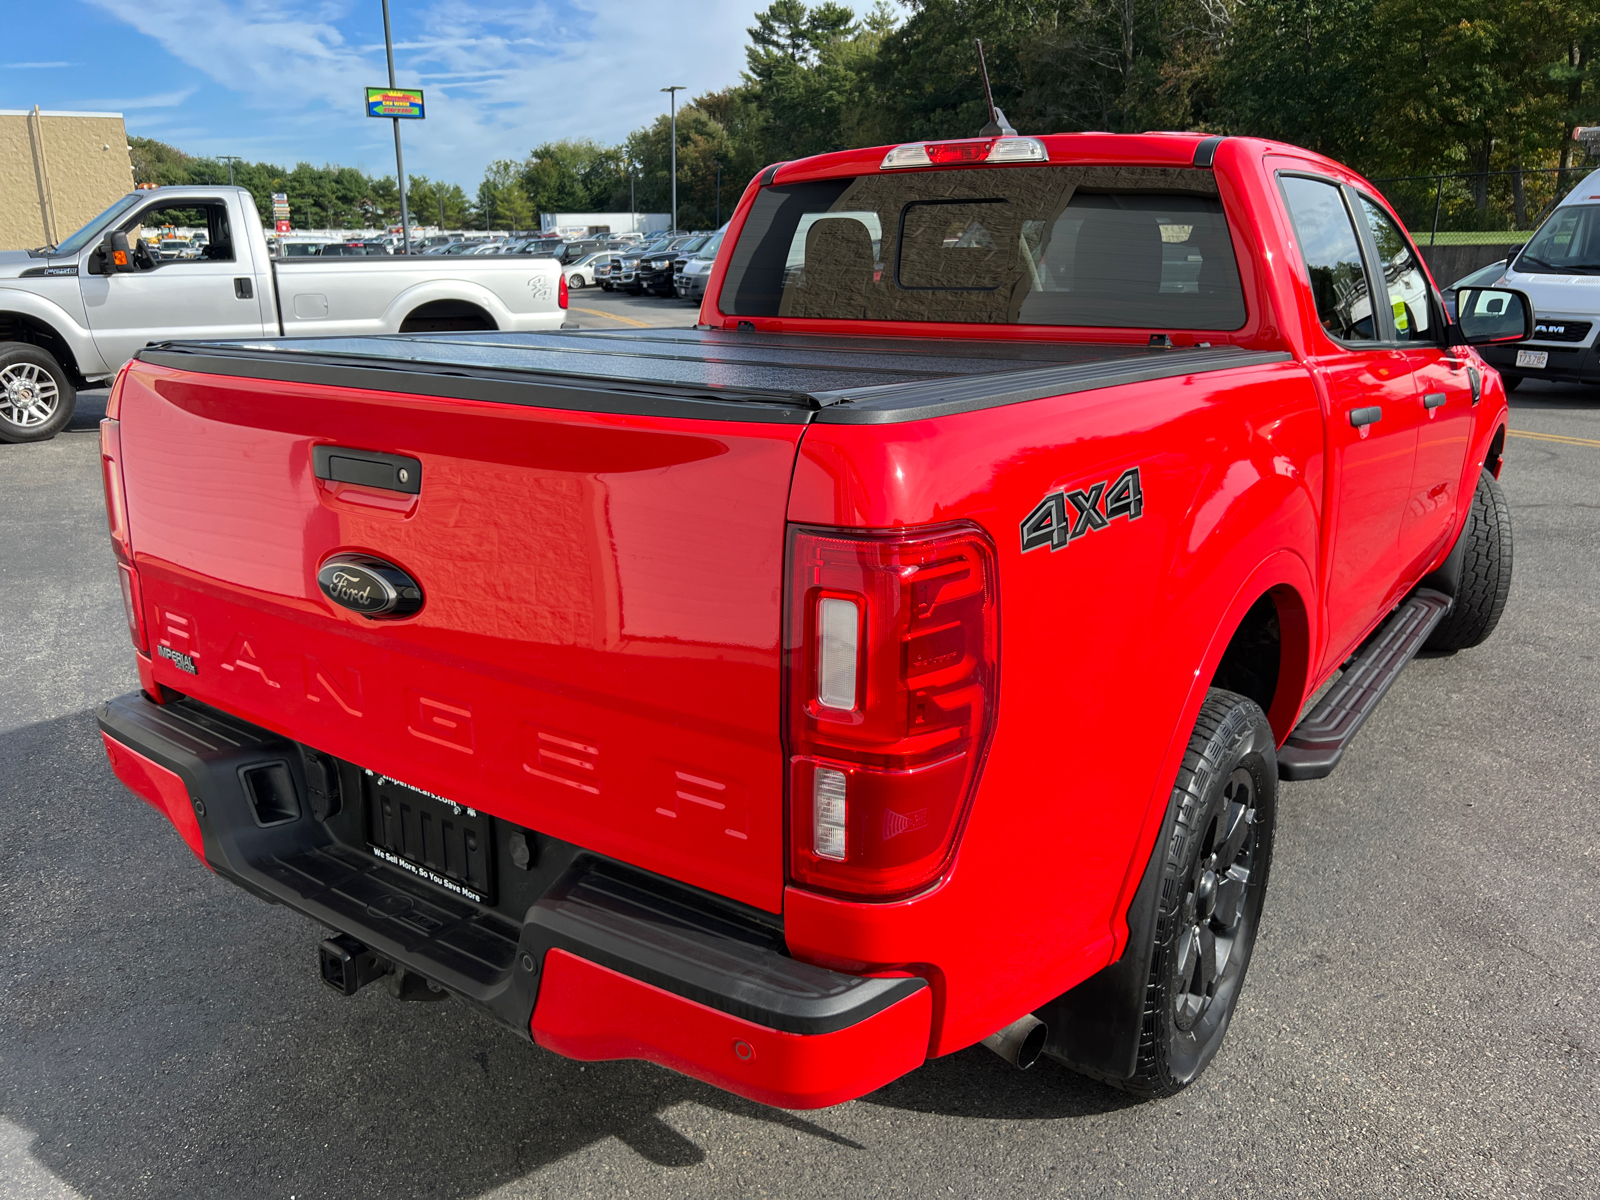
398	104
401	103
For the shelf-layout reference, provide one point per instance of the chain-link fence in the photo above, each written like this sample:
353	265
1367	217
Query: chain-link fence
1479	207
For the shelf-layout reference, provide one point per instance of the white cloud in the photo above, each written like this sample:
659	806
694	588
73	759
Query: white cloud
500	79
133	104
37	66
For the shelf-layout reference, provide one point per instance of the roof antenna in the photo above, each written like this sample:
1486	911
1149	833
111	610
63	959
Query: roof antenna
998	126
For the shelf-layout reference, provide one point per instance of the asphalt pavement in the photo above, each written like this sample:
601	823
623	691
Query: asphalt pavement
595	308
1422	1016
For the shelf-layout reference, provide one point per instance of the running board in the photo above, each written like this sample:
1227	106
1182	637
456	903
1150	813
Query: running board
1320	740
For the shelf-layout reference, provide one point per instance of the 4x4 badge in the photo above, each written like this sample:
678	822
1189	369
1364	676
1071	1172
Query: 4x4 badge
1051	524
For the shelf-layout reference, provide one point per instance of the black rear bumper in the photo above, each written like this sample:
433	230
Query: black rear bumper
313	857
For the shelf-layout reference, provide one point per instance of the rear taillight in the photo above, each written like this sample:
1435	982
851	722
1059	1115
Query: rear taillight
116	497
133	606
117	519
561	291
891	653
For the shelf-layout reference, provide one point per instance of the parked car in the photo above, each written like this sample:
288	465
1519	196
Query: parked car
909	660
1489	276
1559	269
648	268
347	250
689	279
582	272
299	249
605	268
72	314
682	255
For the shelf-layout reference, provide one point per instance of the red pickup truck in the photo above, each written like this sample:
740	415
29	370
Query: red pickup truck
905	657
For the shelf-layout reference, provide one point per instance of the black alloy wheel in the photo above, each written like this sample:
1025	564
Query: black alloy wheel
1213	883
1150	1022
1213	908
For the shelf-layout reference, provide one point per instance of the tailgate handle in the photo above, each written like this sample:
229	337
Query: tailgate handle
243	289
369	468
1365	416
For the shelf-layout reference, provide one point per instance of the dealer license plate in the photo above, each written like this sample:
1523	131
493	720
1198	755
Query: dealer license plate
447	844
1533	358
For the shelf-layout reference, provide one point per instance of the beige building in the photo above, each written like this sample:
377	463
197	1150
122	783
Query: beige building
57	170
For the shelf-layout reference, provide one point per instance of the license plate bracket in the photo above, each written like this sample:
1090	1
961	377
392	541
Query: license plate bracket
1537	359
445	843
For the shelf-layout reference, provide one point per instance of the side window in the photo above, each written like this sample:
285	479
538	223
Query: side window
174	235
1404	279
1332	254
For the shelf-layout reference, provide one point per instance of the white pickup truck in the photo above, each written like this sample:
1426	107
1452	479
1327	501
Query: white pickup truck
71	315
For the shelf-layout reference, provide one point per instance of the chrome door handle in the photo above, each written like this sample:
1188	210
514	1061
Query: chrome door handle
1434	400
1365	416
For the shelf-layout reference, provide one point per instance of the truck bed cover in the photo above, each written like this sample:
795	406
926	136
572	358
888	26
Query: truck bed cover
711	374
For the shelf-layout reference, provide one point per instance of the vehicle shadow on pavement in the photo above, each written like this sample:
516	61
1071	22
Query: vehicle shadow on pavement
975	1082
162	1033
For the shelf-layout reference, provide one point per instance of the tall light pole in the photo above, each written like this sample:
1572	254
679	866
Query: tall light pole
672	93
230	159
718	225
399	160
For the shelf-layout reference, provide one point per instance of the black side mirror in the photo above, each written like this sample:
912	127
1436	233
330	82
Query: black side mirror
116	257
1489	316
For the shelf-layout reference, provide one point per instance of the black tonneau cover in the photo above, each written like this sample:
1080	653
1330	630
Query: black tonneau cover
713	374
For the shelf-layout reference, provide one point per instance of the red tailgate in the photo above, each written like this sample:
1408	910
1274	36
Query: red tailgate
597	655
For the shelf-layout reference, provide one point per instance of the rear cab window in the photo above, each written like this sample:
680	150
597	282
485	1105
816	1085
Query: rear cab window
1088	246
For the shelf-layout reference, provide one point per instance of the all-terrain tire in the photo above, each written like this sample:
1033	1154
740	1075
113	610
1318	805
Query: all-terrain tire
36	396
1485	582
1213	882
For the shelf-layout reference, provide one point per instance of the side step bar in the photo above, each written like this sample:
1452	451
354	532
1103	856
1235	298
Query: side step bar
1320	740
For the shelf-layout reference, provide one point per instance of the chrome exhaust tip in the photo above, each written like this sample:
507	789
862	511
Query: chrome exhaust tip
1021	1042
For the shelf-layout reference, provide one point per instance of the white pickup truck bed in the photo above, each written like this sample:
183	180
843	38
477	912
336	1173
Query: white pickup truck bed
66	320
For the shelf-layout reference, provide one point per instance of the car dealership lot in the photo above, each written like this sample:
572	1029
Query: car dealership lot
1421	1016
594	308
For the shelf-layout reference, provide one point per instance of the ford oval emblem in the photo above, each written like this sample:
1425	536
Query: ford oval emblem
369	586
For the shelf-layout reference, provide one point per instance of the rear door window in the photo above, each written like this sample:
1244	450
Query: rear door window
1332	255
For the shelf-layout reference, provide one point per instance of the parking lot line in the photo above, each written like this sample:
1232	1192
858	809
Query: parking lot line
1552	437
595	312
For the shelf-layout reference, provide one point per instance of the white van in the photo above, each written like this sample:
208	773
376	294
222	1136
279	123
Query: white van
1559	269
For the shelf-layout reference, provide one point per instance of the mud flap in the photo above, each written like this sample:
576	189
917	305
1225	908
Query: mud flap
1095	1027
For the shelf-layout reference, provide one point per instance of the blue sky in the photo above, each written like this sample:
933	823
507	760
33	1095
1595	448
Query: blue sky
282	80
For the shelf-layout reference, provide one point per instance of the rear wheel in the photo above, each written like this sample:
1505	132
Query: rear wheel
36	397
575	281
1210	878
1485	580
